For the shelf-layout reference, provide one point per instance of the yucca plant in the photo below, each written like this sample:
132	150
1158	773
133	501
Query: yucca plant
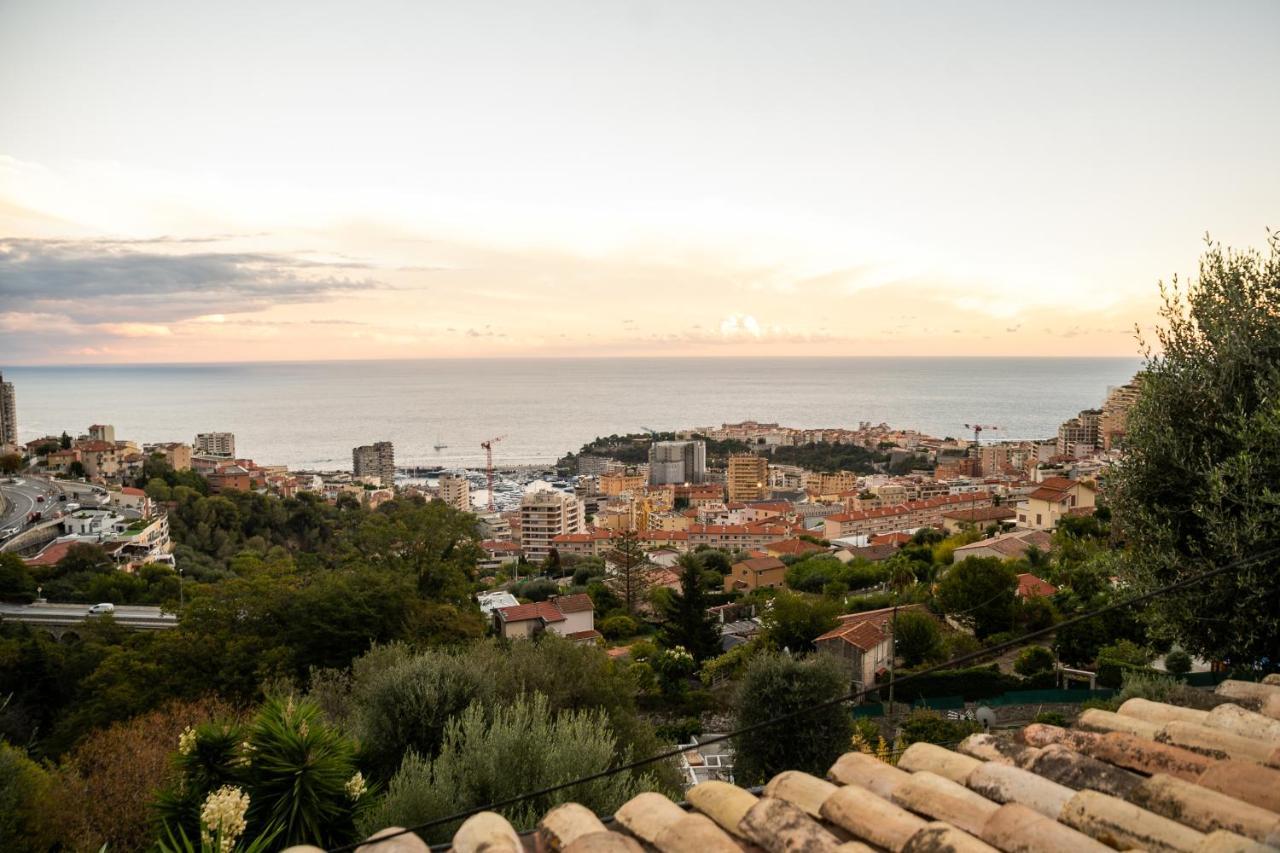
302	775
296	773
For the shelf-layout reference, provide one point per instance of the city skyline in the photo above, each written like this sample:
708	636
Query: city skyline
569	179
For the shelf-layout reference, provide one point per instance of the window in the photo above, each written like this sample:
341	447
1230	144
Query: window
1038	519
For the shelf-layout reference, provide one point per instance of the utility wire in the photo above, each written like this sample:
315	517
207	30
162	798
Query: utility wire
794	715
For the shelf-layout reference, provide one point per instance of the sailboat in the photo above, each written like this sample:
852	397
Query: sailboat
438	446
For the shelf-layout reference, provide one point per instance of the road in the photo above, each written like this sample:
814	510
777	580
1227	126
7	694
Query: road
54	614
23	498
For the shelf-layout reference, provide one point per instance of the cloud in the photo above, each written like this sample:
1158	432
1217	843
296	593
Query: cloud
740	326
108	281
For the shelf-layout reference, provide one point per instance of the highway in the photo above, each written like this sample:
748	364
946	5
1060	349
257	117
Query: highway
24	494
55	615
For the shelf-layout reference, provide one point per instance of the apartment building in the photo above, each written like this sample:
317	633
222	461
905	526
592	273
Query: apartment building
102	432
1115	414
629	479
177	454
677	462
376	461
902	517
543	517
824	484
99	458
1080	433
455	490
748	477
214	444
8	413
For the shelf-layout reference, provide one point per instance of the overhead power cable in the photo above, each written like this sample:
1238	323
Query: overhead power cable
848	697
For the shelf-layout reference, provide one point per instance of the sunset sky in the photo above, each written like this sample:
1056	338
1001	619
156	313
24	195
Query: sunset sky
309	180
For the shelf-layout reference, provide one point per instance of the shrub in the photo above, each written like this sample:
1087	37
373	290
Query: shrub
917	637
932	727
489	756
774	685
680	731
1033	660
1051	718
105	788
1177	662
617	627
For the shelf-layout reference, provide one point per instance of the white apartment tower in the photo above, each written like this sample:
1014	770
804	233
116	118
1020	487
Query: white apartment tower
8	413
677	462
543	517
377	460
215	444
455	490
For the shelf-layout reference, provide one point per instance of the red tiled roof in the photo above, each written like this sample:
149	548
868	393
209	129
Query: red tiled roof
891	539
544	610
862	635
50	555
793	546
130	490
760	564
578	603
494	546
1030	586
589	634
879	617
986	513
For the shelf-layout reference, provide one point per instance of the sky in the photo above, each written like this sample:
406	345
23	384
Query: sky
310	180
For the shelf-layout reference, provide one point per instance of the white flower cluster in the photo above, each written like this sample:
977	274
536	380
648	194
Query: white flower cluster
356	787
679	653
187	741
245	758
222	817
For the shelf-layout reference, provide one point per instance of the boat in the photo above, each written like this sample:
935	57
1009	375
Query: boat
438	446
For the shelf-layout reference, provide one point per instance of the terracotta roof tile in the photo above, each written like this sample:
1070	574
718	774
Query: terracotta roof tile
577	603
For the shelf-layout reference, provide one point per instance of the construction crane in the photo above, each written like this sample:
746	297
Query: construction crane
977	432
488	466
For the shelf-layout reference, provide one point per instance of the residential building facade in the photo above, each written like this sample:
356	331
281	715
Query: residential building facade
214	444
455	490
748	477
375	461
1056	497
677	462
8	413
544	516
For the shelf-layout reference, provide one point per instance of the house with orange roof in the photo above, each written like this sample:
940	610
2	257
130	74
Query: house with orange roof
754	573
1054	498
571	616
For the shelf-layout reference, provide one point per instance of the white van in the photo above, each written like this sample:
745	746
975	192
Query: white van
99	609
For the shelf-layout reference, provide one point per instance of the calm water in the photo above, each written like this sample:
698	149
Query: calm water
311	415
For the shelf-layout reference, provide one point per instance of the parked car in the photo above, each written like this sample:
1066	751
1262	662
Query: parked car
39	499
62	497
104	607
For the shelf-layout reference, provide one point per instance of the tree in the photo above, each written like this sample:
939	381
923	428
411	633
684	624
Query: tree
979	592
65	440
793	621
16	583
688	622
10	463
774	685
1196	487
916	637
630	579
76	470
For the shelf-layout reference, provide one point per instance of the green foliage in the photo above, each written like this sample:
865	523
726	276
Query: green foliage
298	771
24	788
535	589
494	753
917	637
687	623
1051	718
828	458
793	621
814	573
1196	487
10	464
932	727
1032	660
619	627
16	582
774	685
979	592
1177	662
975	683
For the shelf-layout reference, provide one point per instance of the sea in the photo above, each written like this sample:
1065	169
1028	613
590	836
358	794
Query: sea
308	415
